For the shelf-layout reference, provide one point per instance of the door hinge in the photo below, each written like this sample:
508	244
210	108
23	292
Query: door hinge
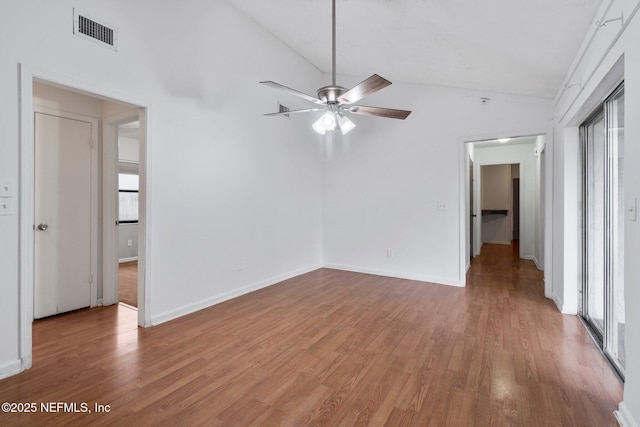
90	278
91	143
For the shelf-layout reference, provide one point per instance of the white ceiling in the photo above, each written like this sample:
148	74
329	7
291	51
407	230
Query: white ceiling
510	46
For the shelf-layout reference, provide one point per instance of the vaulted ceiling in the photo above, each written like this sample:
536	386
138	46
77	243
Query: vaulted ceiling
509	46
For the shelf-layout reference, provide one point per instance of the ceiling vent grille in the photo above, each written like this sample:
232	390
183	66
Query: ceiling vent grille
89	28
283	109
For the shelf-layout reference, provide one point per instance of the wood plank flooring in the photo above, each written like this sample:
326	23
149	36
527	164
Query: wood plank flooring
330	348
128	283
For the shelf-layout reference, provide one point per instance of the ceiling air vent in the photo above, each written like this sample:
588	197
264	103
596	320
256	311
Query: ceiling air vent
89	28
283	109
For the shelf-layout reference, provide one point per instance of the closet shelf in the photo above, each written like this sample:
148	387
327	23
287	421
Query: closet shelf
494	212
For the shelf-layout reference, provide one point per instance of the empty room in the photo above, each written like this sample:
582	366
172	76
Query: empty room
319	212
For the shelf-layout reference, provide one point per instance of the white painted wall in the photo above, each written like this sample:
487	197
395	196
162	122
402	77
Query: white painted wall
607	53
381	189
244	189
128	149
127	233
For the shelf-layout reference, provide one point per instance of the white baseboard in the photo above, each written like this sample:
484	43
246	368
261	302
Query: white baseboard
535	261
217	299
133	258
556	300
10	368
560	305
624	417
397	275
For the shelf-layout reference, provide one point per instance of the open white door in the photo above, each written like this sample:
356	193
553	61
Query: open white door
63	214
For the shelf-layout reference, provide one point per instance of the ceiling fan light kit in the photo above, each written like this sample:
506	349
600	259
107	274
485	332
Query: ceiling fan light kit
335	100
331	120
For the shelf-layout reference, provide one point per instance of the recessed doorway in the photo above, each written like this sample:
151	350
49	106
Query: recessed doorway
57	96
519	218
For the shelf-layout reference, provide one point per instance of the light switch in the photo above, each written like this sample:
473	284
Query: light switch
6	206
6	189
632	210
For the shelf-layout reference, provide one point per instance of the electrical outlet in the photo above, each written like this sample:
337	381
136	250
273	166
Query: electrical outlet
6	206
389	253
240	268
441	206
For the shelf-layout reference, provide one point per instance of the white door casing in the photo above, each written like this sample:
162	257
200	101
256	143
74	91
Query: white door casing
65	207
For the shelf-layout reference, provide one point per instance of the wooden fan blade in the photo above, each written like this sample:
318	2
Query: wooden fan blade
365	88
379	112
293	92
284	113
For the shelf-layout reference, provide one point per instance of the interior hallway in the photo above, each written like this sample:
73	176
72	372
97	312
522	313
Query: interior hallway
333	348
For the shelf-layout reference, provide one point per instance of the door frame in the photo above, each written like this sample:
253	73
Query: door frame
463	194
110	172
26	200
472	214
95	149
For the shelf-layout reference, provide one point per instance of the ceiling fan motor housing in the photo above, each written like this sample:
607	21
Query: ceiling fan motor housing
330	94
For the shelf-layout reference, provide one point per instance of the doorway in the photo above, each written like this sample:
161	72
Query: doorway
515	206
128	212
522	160
100	106
472	214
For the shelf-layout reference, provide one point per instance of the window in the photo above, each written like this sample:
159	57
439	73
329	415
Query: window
128	198
603	216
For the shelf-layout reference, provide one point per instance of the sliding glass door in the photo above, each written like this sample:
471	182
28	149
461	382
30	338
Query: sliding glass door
595	229
603	215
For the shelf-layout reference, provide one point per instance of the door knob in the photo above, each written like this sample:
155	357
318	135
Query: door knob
42	227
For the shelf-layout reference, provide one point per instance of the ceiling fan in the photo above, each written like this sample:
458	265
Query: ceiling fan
336	100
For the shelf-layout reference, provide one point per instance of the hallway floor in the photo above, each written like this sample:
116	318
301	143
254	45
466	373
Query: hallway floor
330	348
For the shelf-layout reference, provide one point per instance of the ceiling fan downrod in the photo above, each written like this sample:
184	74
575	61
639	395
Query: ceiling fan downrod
333	41
330	94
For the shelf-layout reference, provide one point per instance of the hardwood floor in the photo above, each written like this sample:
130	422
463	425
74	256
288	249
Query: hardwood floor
128	283
331	348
